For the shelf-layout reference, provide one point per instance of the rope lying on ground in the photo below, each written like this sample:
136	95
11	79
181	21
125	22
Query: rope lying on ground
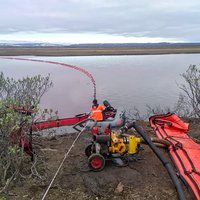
65	156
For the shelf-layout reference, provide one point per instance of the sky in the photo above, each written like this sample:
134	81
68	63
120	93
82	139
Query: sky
100	21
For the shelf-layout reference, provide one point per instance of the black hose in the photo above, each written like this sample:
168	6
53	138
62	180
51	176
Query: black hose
164	161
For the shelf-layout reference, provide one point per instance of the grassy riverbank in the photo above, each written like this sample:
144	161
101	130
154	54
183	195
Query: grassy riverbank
97	51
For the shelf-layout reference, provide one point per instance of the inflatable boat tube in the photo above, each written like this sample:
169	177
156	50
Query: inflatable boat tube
114	122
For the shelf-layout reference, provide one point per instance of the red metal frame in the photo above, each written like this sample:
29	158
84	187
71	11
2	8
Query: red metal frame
59	122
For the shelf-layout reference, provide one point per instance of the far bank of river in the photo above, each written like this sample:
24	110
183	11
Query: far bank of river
97	51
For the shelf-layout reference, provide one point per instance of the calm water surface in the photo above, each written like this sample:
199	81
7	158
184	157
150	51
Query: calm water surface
128	81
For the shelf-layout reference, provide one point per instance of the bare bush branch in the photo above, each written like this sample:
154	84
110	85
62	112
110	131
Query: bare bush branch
158	110
189	100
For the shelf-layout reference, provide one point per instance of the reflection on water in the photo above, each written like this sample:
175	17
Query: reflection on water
123	80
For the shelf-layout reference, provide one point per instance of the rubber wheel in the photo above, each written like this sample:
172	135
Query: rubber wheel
96	162
89	150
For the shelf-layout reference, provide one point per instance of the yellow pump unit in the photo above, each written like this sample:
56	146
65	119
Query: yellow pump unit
114	146
122	144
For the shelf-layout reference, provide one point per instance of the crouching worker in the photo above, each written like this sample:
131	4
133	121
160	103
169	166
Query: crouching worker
97	111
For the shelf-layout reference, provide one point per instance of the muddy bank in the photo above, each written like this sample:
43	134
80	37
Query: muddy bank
142	179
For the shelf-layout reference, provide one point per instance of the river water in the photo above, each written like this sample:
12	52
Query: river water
127	81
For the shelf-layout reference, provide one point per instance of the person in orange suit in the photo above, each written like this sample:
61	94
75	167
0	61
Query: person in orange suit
97	111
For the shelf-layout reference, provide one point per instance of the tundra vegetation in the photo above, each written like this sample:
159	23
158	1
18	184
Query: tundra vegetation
188	104
25	93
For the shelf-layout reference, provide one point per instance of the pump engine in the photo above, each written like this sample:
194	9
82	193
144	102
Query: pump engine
115	146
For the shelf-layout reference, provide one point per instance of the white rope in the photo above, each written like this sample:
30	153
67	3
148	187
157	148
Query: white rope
45	194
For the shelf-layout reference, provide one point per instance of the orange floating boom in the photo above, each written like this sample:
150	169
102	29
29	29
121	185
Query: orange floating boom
185	153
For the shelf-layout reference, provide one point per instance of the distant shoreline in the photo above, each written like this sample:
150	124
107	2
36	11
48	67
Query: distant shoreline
96	51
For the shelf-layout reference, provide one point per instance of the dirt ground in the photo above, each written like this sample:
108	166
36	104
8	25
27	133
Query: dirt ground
142	179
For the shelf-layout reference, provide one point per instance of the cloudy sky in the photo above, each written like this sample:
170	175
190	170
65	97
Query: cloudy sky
100	21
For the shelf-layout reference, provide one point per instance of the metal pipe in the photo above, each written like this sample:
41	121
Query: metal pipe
161	141
158	142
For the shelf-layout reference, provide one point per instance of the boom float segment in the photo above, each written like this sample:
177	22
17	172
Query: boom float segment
184	152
